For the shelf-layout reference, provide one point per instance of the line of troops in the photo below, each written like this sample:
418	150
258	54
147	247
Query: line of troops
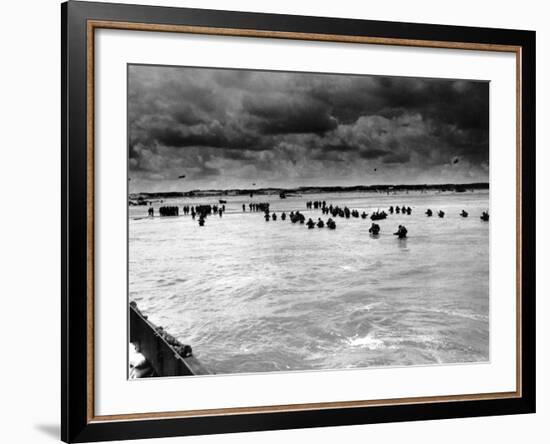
484	215
297	217
203	211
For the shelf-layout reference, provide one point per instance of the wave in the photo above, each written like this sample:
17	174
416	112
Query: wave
368	341
460	314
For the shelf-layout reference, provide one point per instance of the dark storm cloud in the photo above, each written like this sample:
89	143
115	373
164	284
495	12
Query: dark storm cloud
214	135
231	128
287	115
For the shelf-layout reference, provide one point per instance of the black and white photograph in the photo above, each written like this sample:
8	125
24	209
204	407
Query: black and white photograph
264	222
284	221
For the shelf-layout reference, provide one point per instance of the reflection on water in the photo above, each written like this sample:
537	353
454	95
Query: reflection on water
256	296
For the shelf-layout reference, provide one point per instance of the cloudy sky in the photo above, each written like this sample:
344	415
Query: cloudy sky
226	128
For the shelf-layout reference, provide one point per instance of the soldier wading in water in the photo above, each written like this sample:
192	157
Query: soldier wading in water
401	232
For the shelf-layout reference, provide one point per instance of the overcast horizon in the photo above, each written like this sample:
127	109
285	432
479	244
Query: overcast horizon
228	128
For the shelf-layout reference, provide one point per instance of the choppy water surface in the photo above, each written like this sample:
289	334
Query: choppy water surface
256	296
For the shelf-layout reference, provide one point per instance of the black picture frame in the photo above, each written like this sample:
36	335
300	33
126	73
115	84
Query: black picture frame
77	425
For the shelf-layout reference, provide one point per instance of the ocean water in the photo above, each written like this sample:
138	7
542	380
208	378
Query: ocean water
256	296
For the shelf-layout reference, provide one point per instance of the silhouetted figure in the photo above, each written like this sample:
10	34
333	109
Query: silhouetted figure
464	213
429	212
374	229
401	232
266	216
274	216
391	209
320	223
201	221
363	215
397	210
441	213
151	212
331	224
283	216
484	216
409	211
244	208
310	224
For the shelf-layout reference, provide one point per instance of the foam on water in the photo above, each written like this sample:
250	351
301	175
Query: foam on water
255	296
368	341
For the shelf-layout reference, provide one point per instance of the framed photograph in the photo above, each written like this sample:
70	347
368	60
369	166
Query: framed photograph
277	221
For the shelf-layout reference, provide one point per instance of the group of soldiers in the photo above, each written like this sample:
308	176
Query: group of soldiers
403	209
484	215
165	211
203	209
297	217
320	223
263	206
315	204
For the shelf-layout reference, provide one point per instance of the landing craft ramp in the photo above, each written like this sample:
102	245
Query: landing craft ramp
160	352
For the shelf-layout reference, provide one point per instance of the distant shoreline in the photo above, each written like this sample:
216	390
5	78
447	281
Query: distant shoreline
310	190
